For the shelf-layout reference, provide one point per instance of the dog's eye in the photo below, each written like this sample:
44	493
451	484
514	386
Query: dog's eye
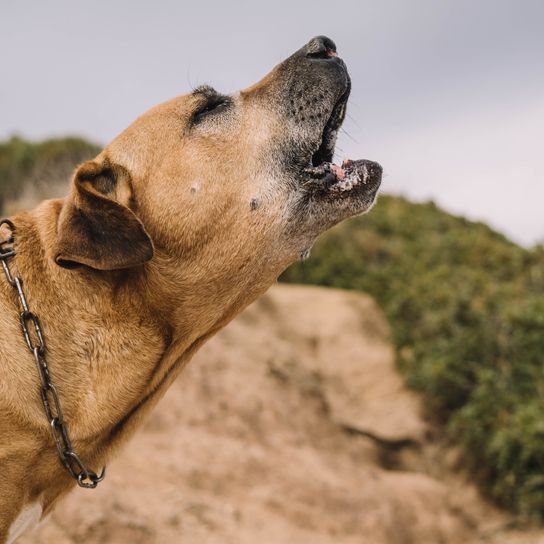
214	104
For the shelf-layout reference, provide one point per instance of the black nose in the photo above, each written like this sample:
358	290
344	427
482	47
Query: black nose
321	47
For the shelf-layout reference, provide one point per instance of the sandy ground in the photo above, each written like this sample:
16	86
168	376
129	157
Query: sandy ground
290	426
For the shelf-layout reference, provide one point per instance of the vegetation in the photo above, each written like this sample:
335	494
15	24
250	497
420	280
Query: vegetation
466	308
39	165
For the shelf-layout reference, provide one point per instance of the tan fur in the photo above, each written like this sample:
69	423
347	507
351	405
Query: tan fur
210	220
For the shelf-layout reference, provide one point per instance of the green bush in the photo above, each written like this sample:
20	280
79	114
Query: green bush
466	307
39	163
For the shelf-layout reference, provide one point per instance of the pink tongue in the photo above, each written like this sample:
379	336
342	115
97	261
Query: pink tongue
338	171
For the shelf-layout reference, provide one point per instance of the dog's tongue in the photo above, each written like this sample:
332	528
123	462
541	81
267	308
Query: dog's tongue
328	168
338	171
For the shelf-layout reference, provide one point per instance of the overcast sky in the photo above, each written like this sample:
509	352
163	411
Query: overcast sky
448	95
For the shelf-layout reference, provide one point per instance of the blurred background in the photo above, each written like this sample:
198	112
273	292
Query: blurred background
449	97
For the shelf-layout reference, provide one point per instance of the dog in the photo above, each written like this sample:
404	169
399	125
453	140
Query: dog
188	216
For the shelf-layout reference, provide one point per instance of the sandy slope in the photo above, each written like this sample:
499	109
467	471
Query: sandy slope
290	426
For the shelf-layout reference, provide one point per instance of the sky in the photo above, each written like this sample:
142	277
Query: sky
448	95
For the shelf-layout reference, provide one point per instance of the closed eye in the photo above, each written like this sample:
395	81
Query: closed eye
211	104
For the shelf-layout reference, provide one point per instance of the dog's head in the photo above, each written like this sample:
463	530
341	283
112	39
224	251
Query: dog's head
230	184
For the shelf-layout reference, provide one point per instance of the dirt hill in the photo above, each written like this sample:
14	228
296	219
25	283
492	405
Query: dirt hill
290	426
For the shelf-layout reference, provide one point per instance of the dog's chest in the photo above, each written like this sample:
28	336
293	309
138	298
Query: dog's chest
28	518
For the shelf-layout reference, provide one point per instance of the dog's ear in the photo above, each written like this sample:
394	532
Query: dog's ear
97	227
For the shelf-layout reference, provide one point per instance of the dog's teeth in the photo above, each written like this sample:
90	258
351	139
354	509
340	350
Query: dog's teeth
318	171
365	175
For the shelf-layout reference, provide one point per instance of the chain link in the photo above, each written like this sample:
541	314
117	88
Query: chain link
35	341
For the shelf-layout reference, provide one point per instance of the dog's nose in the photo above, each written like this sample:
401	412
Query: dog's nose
321	47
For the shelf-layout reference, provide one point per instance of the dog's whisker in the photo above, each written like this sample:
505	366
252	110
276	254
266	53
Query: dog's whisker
344	131
188	78
353	120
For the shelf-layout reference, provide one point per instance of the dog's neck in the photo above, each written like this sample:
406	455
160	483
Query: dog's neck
126	335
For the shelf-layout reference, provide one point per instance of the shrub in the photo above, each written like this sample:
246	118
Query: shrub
466	307
40	164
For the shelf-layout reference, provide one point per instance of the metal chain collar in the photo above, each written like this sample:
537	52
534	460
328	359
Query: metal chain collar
50	399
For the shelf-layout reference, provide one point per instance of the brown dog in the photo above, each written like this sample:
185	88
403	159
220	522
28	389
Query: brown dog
181	222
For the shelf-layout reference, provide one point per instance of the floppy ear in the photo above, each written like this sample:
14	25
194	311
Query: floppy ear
96	226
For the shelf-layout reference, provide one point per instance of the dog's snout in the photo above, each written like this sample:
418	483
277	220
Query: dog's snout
374	168
321	47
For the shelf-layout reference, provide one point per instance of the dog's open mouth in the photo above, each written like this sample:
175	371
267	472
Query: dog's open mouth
322	174
325	152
